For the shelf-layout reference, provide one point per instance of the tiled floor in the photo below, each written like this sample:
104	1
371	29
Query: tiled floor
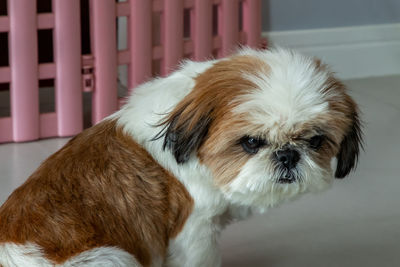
356	223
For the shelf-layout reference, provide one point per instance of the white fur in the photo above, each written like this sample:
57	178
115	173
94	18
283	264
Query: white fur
294	80
256	184
289	94
104	257
13	255
146	107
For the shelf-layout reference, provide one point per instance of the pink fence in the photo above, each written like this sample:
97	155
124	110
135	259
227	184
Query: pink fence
160	34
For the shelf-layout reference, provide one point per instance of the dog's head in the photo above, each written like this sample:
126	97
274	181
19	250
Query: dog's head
267	124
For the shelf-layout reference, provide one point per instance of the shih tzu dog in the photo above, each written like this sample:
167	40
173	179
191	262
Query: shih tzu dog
156	182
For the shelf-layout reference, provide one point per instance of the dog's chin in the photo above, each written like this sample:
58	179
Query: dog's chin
286	180
271	191
288	177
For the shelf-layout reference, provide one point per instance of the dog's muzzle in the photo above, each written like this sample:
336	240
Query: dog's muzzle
287	160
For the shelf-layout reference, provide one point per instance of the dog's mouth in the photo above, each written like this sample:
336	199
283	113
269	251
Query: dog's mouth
287	178
283	180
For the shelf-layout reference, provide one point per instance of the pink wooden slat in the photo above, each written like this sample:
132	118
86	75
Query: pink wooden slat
188	47
123	9
228	14
157	6
188	3
252	22
24	70
217	42
202	29
123	57
104	49
47	71
4	24
122	101
172	35
6	130
5	74
158	52
243	37
45	20
87	73
87	61
68	83
140	42
48	124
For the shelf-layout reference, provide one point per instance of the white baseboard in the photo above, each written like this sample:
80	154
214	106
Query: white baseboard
352	52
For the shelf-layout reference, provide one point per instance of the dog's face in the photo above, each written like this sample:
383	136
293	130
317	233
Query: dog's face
267	125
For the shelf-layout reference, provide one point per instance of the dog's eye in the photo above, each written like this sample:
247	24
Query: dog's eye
251	144
316	141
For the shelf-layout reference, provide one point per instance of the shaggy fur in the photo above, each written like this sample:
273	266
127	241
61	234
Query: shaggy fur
155	183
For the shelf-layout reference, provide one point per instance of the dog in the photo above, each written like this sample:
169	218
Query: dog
156	182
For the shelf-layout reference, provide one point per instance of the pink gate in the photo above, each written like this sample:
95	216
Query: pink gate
160	34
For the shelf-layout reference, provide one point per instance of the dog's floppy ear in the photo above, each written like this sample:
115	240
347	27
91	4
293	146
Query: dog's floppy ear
349	148
185	129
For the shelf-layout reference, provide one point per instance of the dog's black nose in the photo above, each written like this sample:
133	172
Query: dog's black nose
287	157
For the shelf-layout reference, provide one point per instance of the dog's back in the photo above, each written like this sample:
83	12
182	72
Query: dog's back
95	192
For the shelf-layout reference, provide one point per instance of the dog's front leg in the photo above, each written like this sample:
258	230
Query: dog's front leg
196	245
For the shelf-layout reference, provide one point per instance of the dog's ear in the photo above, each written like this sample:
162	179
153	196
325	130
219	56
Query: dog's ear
349	148
185	129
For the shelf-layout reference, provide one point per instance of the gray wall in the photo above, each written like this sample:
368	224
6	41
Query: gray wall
282	15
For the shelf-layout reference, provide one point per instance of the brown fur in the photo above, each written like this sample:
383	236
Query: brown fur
100	189
217	92
208	108
220	152
215	89
226	159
